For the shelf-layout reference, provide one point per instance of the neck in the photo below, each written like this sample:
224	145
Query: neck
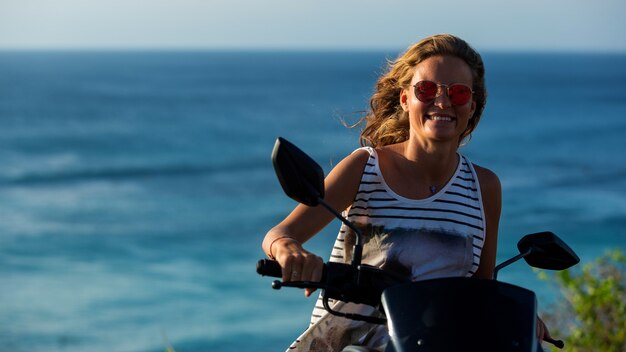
432	156
435	164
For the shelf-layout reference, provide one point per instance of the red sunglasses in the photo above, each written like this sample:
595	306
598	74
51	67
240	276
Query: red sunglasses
458	93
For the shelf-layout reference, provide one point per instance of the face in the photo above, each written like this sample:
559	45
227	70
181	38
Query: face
439	119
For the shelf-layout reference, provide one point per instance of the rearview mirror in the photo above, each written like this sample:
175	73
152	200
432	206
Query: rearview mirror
301	178
547	251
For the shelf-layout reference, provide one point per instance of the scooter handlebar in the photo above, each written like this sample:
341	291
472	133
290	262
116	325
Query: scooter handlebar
267	267
362	284
557	343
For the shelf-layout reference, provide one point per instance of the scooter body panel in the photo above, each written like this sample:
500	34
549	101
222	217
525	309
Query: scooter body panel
460	314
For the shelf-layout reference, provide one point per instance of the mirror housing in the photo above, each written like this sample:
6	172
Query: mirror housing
543	250
547	251
301	178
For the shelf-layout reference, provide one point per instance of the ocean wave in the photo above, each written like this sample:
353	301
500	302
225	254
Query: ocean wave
591	178
130	173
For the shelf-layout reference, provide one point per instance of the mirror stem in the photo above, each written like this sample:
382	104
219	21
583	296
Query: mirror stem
509	262
358	246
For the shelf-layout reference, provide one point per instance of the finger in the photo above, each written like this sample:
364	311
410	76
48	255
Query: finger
308	268
296	270
286	274
287	269
316	274
539	330
546	333
318	270
296	274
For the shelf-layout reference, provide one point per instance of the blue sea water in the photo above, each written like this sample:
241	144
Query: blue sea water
135	187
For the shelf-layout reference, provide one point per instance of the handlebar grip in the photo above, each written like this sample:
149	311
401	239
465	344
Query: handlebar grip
267	267
558	343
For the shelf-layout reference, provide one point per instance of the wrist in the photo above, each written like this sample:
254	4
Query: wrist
271	250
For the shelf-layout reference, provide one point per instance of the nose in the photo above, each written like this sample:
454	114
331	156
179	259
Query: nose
442	100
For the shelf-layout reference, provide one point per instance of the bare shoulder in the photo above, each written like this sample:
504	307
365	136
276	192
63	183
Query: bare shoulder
489	181
353	164
359	157
343	181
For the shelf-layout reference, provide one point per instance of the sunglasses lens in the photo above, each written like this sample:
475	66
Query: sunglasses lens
459	94
426	91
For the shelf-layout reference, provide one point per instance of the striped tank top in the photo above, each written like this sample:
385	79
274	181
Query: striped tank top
440	236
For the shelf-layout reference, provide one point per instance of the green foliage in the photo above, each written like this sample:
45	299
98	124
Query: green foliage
168	346
593	315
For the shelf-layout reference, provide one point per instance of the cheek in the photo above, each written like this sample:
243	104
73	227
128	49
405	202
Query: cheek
415	114
464	116
465	111
415	106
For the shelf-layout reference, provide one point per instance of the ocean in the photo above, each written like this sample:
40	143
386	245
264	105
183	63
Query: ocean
136	187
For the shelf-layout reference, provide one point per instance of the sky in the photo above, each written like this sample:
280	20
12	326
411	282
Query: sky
540	25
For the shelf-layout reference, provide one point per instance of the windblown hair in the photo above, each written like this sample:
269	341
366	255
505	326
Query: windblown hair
387	123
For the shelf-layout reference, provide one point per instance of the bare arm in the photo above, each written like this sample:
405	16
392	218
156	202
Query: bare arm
491	192
284	242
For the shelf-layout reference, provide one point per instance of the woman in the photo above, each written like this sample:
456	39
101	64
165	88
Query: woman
426	210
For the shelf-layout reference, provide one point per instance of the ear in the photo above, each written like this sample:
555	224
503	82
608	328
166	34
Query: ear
471	116
404	100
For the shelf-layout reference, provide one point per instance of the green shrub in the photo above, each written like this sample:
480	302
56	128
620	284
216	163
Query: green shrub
592	317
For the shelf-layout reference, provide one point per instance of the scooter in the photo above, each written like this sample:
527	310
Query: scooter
428	315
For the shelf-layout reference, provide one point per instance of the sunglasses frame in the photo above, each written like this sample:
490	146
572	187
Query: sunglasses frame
440	91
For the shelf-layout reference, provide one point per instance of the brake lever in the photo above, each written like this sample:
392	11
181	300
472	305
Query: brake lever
277	284
558	343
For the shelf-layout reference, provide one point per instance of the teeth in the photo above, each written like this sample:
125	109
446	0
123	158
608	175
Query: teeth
440	118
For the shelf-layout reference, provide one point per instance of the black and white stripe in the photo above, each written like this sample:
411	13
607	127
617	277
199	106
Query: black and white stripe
457	207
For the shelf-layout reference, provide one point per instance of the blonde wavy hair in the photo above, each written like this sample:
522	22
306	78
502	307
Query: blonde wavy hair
387	123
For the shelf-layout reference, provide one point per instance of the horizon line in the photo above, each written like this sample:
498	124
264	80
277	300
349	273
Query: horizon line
291	49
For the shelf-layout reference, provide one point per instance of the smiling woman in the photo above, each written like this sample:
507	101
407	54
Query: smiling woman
441	114
387	123
425	210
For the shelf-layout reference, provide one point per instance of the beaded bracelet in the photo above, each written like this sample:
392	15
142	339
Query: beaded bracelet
269	254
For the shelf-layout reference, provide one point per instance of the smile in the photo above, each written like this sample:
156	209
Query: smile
439	118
